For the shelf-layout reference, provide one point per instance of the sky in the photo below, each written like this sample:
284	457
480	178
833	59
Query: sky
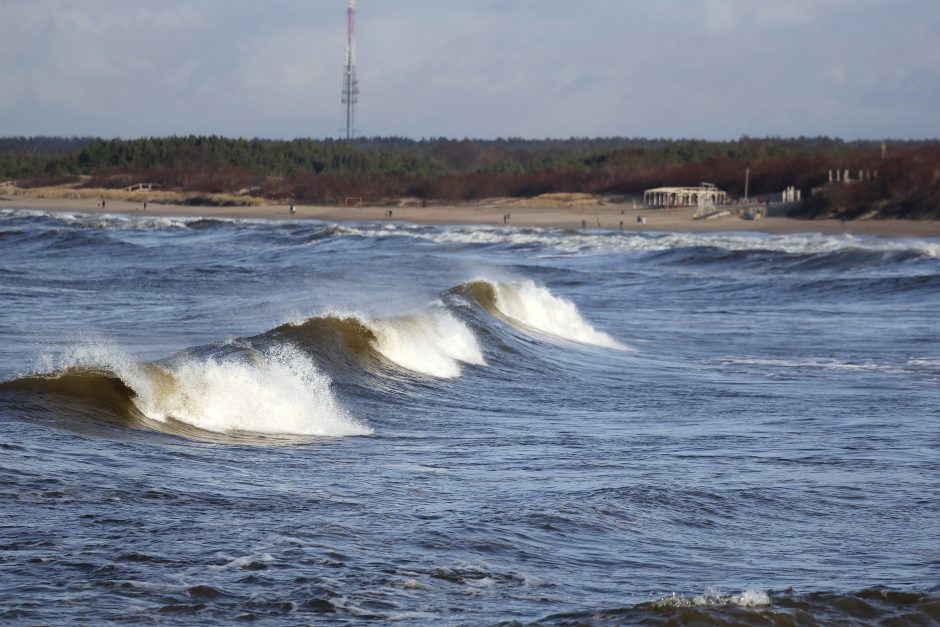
710	69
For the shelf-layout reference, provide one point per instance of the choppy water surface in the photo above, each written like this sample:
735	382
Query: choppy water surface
205	420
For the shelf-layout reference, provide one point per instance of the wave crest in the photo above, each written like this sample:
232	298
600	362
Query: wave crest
433	342
278	392
534	307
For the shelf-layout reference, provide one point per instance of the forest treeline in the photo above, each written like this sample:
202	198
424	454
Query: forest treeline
450	170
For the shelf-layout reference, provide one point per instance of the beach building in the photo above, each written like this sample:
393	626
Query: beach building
705	194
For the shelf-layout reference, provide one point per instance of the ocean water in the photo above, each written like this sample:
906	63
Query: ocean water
206	421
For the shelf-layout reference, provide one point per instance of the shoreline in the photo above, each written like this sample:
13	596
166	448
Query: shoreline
522	214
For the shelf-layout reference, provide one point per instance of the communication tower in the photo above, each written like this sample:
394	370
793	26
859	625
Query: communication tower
350	84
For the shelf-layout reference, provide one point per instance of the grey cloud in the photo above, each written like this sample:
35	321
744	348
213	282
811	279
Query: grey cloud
705	68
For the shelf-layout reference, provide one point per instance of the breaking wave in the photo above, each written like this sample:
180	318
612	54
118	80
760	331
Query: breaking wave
758	607
606	242
433	342
281	382
277	392
534	307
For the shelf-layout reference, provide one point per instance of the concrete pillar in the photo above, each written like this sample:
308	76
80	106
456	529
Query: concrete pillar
846	178
830	176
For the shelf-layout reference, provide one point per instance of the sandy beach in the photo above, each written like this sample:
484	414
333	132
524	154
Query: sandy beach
521	214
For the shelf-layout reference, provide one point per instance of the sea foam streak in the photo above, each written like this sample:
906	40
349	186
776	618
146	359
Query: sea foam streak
277	392
535	307
606	242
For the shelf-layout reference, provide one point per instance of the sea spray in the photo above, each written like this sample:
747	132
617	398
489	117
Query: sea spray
535	307
432	343
279	391
750	598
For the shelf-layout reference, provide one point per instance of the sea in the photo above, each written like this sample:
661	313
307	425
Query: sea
211	421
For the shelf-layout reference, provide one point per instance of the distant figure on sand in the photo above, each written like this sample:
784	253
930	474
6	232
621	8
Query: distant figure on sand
292	212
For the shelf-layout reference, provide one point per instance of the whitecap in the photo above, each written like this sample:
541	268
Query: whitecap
535	307
433	342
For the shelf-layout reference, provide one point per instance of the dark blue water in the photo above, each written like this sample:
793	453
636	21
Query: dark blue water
297	422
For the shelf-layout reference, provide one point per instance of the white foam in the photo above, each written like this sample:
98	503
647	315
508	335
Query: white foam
534	306
820	363
278	392
929	362
751	597
602	242
120	222
433	342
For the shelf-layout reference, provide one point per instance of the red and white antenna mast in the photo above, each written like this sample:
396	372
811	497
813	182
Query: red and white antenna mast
350	84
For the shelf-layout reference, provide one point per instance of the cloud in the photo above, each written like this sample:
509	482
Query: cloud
709	68
720	16
836	73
